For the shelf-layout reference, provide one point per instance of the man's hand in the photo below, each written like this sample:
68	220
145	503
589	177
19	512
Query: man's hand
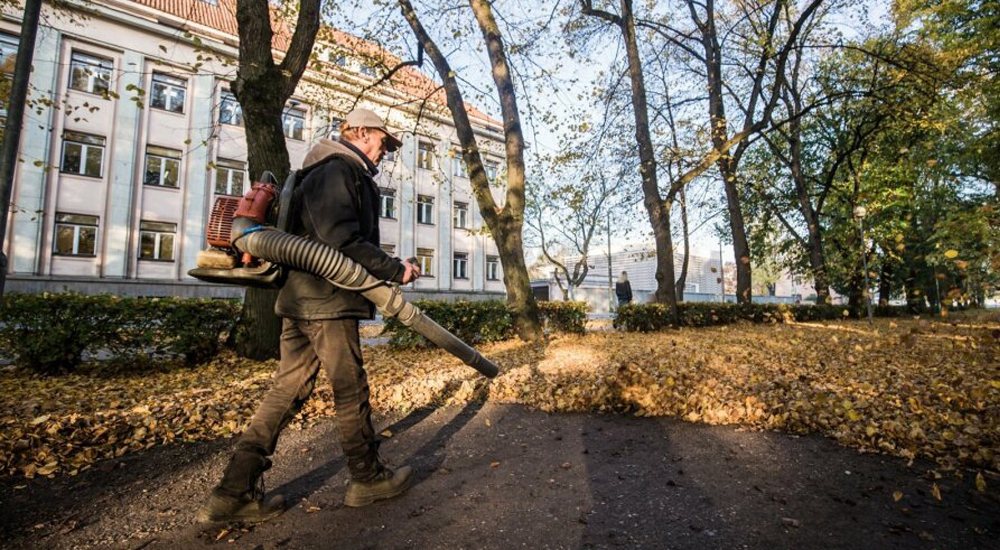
412	272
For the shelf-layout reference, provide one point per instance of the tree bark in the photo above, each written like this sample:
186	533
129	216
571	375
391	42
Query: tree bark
682	279
505	224
263	87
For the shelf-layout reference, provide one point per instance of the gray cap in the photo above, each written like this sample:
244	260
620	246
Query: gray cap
364	118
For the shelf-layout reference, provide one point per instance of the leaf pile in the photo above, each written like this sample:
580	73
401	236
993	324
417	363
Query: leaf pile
911	388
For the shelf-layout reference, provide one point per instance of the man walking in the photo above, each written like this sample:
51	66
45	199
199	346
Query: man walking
337	203
623	289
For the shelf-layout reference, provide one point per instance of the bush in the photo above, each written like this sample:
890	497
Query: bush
50	332
474	322
564	316
653	317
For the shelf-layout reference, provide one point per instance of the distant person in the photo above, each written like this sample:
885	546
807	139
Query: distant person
623	289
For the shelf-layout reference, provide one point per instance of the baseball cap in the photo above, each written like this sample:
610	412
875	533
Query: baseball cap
364	118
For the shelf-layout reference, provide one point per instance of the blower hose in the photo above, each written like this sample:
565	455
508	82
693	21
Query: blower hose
328	262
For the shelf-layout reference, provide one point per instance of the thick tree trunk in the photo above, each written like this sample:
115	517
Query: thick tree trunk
737	227
682	280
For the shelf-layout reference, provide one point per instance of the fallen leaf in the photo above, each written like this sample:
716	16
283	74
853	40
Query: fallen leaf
386	433
791	522
897	496
936	491
980	482
495	464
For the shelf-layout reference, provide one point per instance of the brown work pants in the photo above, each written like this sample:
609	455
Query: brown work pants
305	346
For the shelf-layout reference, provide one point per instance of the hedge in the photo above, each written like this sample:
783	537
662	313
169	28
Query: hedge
483	321
653	317
50	332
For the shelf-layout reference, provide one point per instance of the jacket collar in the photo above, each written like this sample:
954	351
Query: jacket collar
325	148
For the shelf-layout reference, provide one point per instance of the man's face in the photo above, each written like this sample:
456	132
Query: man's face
374	144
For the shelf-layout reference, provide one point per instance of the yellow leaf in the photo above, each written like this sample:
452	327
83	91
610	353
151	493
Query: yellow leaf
386	433
853	415
495	464
897	496
488	423
951	254
39	420
936	491
980	482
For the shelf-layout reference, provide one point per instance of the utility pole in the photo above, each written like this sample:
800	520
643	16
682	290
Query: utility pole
15	119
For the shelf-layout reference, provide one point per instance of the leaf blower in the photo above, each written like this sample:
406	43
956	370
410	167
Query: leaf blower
249	246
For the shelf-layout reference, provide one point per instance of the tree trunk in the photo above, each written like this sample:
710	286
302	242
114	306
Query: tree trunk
682	280
505	224
885	284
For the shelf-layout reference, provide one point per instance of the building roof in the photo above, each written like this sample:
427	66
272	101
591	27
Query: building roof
220	15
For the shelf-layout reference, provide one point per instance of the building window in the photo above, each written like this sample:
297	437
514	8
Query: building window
335	129
389	249
163	167
156	241
229	177
492	268
8	54
461	218
425	209
461	265
388	207
90	73
368	70
76	235
230	111
168	93
425	155
83	154
425	259
293	121
492	168
390	156
458	166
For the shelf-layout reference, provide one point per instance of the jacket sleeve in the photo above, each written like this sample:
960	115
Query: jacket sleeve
628	286
329	208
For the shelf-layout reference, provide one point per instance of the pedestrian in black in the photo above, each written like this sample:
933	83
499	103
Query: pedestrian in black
337	203
623	289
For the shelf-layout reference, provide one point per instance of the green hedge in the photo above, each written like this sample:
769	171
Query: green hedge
483	321
50	332
652	317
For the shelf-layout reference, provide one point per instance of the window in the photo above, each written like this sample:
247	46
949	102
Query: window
168	93
367	70
425	209
229	177
293	121
425	156
491	167
461	217
461	265
425	259
390	156
230	111
388	208
8	54
76	235
458	166
389	249
335	129
156	241
492	268
163	167
90	73
337	58
83	154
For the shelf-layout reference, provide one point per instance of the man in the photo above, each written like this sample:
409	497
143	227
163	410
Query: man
337	203
623	289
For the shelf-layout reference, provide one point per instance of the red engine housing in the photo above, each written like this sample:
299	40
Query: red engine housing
256	204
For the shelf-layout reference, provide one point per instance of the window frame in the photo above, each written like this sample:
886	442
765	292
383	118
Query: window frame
425	260
463	209
286	116
164	79
84	150
157	241
387	202
491	166
426	153
227	97
494	273
425	203
163	164
458	166
91	61
232	167
77	226
460	259
388	248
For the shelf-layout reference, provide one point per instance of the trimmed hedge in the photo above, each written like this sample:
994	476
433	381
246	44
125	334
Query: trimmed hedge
50	332
483	321
653	317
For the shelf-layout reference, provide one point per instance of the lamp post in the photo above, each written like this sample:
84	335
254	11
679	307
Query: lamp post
860	212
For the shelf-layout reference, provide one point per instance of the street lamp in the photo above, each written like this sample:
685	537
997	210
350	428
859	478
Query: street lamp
860	212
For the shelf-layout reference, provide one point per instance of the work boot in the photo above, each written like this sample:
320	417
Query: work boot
240	494
385	484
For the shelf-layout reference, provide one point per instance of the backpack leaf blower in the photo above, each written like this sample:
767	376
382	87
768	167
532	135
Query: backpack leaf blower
245	250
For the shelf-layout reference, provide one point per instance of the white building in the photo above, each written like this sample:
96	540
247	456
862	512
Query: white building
132	132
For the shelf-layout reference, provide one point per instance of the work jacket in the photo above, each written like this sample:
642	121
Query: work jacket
623	291
337	203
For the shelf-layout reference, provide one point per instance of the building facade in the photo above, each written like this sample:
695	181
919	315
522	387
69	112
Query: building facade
132	132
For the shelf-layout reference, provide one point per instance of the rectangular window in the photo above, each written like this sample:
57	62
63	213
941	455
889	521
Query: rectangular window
461	265
388	207
425	155
168	93
163	167
461	218
230	111
8	54
90	73
389	249
76	235
367	70
83	154
458	168
390	156
492	268
156	241
229	177
492	169
294	122
425	209
425	259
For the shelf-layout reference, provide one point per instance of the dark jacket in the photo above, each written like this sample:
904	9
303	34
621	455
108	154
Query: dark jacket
337	203
624	291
